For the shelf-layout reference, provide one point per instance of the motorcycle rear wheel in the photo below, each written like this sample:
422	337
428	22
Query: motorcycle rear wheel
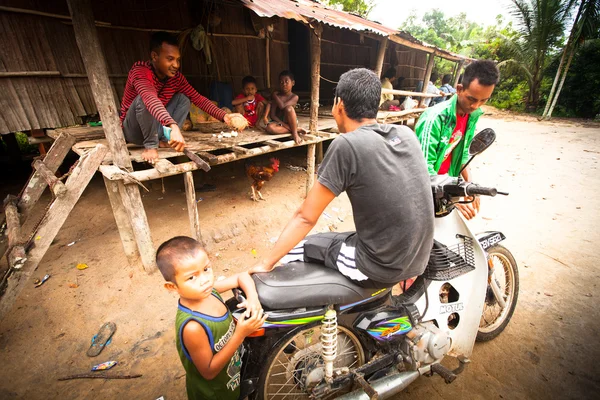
291	363
494	319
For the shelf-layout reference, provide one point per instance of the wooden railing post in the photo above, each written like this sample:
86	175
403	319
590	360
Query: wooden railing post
95	66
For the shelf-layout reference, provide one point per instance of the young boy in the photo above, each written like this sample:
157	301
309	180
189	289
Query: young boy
283	114
207	339
251	104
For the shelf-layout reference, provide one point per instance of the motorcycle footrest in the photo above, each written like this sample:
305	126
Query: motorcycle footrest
444	372
369	390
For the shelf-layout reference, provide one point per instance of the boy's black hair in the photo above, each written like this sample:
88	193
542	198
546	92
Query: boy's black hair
248	79
446	79
434	77
286	73
173	250
360	89
158	38
485	71
390	73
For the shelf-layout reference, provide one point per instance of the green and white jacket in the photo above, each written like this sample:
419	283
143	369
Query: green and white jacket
434	130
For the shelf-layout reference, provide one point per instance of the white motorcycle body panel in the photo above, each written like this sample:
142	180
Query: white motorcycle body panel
471	288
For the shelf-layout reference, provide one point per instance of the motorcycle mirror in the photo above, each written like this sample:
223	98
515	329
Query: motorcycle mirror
482	141
479	144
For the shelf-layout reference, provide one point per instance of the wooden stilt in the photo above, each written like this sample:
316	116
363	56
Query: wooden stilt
380	56
122	220
430	63
95	65
51	224
315	75
37	184
192	206
319	155
310	167
130	194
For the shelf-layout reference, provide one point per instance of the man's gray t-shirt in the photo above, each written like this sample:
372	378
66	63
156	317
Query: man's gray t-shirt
382	169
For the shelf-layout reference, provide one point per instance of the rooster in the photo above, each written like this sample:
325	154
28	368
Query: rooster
260	175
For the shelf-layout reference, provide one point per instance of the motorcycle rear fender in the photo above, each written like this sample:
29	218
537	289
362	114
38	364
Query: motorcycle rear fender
490	238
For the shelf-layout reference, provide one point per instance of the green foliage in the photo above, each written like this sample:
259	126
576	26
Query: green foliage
579	96
24	145
360	7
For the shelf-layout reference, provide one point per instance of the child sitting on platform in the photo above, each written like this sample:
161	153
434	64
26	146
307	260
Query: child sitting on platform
251	104
207	339
283	115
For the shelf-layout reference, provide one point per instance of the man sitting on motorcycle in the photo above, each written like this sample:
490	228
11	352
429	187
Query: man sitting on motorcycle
447	129
383	172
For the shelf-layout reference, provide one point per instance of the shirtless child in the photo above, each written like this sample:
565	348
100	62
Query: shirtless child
283	115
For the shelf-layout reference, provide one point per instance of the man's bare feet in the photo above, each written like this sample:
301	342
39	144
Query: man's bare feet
150	155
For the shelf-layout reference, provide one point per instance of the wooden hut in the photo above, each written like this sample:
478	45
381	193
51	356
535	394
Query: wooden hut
62	61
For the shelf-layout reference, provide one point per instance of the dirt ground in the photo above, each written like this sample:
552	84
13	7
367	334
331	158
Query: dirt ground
549	350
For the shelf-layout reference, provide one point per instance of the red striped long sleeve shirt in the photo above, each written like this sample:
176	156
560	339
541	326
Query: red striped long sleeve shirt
142	81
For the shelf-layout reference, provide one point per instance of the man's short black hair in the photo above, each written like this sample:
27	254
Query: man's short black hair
360	89
434	77
158	38
390	73
446	79
287	73
248	79
174	250
485	71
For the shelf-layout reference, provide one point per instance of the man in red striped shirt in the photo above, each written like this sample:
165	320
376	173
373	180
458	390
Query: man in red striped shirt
157	95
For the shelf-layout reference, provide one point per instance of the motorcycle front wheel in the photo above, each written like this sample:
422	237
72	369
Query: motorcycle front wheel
494	318
296	364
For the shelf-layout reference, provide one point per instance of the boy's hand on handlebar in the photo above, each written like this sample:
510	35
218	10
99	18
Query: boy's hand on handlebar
249	325
252	307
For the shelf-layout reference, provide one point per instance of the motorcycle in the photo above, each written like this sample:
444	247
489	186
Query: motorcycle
325	337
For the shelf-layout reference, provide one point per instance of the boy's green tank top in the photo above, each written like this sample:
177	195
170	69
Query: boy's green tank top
226	385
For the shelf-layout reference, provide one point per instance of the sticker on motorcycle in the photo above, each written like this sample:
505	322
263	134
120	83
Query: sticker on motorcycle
451	308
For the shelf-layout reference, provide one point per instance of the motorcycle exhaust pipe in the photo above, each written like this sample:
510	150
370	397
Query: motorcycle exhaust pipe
385	387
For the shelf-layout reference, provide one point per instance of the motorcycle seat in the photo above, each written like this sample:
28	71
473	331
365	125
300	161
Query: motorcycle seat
300	284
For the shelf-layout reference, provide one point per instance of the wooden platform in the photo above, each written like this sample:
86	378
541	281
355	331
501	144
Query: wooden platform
248	143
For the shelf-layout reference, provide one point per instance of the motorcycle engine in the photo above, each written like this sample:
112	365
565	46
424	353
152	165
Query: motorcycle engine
425	344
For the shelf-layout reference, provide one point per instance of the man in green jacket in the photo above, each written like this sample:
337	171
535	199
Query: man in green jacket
447	129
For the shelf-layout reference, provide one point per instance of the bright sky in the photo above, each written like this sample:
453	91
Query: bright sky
393	13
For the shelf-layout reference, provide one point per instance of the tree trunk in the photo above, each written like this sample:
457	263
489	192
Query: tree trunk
562	81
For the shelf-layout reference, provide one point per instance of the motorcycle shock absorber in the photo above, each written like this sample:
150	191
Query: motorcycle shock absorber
329	342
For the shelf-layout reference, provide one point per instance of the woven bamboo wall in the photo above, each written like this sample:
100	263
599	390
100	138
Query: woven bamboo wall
409	63
40	43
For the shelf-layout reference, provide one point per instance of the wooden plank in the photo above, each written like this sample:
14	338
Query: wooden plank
51	224
57	187
380	56
310	167
36	185
315	34
274	143
192	206
209	158
122	221
240	149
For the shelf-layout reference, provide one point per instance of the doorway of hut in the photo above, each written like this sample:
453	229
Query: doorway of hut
299	56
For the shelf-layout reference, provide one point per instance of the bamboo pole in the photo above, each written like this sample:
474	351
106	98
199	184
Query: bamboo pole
427	76
408	93
95	65
380	56
315	72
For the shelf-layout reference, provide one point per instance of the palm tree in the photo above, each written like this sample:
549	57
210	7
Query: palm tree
541	24
585	26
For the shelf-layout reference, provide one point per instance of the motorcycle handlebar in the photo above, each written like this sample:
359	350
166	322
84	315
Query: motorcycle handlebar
473	190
